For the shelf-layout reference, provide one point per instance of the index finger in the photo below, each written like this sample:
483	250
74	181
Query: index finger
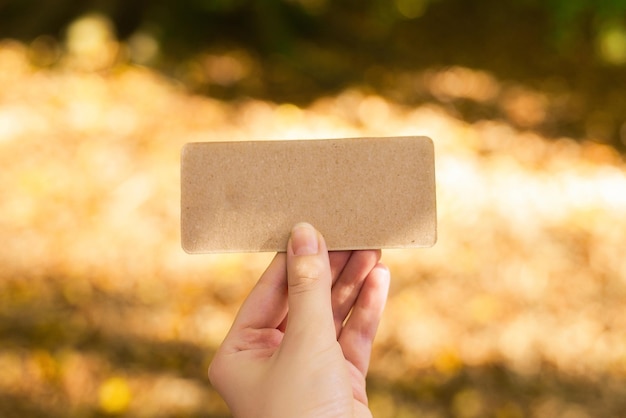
266	305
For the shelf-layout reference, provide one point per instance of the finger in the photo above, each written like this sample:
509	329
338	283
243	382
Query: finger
338	260
266	305
309	283
358	333
348	285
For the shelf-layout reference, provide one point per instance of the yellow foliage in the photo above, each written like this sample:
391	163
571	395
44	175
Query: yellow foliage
528	274
114	395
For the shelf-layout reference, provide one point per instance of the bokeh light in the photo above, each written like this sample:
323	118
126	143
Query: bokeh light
517	311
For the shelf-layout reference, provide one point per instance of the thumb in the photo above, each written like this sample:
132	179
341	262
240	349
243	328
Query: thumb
309	286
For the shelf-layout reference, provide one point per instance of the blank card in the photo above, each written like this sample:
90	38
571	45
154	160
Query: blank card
360	193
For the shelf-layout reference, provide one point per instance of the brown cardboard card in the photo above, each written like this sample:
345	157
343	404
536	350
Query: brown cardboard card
360	193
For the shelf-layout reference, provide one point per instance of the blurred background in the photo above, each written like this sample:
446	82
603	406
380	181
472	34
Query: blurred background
518	311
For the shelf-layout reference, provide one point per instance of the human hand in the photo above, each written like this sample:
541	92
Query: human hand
301	342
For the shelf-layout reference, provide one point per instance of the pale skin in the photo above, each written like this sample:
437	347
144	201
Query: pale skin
300	345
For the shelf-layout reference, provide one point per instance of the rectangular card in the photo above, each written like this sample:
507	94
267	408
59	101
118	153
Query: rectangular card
360	193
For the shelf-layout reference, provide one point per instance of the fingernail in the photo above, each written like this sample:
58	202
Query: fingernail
304	239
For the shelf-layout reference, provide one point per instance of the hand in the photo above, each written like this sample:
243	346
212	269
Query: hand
301	342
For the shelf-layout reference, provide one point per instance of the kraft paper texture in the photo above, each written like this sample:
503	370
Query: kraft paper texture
360	193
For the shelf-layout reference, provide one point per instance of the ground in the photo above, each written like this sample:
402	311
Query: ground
516	312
